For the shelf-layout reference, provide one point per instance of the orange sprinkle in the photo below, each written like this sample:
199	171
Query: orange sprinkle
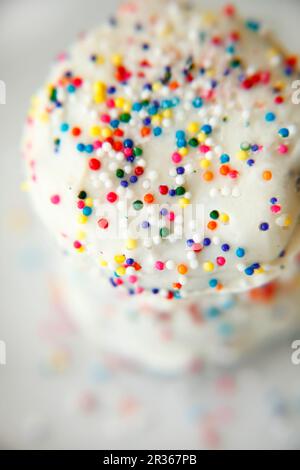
173	85
149	198
177	285
145	131
208	175
182	269
224	170
267	175
76	131
212	225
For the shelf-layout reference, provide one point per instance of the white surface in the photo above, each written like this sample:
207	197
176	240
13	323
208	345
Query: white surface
37	404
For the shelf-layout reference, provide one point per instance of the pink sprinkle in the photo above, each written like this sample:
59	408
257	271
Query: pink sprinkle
233	174
171	216
110	103
128	152
103	223
204	148
221	260
105	118
176	157
283	149
132	279
139	290
275	209
197	247
160	265
77	244
97	144
55	199
80	204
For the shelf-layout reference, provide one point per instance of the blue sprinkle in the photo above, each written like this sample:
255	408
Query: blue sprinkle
264	226
206	241
213	283
157	131
89	148
87	211
249	271
71	88
64	127
198	102
224	158
137	107
207	129
128	143
213	312
253	25
133	179
115	123
240	252
284	132
80	147
270	117
180	135
225	247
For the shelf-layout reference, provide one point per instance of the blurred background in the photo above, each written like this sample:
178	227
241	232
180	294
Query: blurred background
55	391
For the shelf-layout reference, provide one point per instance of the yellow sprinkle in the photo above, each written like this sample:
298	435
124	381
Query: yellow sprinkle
95	131
88	202
131	244
103	263
156	86
287	221
193	127
99	89
167	113
204	163
201	137
183	202
210	73
209	18
43	117
82	219
259	270
81	235
121	271
100	59
117	59
242	155
119	102
183	151
208	266
224	218
81	249
156	120
120	259
106	132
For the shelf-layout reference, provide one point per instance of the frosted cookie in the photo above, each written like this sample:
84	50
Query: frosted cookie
178	337
163	151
